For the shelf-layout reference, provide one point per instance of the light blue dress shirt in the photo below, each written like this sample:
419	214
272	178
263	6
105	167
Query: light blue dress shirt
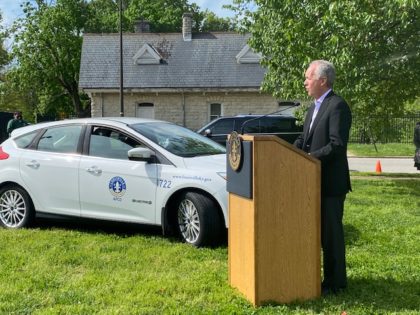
318	103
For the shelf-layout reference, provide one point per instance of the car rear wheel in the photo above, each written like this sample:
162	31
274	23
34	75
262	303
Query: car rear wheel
16	210
199	222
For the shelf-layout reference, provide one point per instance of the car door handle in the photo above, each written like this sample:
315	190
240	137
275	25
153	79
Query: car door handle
32	164
94	170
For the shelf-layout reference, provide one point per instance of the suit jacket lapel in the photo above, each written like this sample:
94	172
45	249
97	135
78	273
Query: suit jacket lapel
308	121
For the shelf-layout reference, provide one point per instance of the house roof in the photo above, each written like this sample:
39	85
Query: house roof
166	61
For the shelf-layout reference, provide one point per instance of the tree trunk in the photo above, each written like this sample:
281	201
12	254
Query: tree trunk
77	103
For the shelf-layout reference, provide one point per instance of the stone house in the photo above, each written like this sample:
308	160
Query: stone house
185	78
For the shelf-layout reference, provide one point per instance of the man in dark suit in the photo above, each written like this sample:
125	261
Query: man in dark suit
325	135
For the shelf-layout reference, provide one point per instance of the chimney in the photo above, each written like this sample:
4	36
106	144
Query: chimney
141	26
187	27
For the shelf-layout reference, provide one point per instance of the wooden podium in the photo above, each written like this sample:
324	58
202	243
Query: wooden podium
274	234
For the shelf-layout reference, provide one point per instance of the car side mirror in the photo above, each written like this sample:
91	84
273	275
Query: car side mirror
141	154
207	133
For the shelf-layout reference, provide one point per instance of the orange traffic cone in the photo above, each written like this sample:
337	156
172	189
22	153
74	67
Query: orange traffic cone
378	167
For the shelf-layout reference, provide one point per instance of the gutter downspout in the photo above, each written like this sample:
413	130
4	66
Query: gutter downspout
183	109
102	105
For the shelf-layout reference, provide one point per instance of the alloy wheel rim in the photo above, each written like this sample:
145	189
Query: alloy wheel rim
12	208
188	221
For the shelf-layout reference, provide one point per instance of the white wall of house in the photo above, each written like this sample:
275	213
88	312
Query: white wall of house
191	109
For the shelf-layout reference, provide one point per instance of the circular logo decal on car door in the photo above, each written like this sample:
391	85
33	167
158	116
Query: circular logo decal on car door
117	186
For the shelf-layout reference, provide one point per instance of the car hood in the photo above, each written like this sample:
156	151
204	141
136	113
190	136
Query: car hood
209	162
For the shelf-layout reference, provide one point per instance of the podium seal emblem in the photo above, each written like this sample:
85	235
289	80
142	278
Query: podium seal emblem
235	151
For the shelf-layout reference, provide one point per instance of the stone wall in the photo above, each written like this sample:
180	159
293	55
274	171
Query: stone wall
170	106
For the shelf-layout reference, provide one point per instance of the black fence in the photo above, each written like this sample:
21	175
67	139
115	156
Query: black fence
383	129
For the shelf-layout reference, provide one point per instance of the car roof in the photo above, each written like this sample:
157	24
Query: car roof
245	116
262	116
250	116
120	120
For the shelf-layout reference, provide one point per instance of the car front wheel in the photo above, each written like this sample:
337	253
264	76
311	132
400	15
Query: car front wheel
199	222
16	209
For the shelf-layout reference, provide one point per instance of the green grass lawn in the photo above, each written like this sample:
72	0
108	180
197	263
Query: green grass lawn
82	268
387	149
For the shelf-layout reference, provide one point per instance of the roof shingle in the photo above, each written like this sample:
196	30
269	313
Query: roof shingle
208	61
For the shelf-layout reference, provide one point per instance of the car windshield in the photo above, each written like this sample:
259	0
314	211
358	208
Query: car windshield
178	140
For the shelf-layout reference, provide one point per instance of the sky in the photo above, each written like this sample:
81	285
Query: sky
215	6
11	10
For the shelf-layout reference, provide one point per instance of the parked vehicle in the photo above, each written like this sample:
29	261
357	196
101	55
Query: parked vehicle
280	125
118	169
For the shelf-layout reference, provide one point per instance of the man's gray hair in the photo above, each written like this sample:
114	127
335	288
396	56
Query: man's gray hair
324	69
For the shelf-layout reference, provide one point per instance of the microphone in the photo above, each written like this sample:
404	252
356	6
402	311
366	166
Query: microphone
292	104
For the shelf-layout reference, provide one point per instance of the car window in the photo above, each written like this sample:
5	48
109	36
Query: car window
222	126
252	126
265	125
238	124
62	139
25	140
110	143
273	125
178	140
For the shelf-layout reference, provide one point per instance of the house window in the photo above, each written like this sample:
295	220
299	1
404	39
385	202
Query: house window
215	110
145	110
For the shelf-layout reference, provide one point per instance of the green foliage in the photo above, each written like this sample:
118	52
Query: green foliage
4	56
300	113
211	22
105	16
47	49
48	39
170	21
413	107
373	44
75	268
12	99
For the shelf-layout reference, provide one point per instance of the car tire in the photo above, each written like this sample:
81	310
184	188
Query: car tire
16	209
198	220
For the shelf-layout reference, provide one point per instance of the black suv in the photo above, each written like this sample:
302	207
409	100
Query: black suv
279	125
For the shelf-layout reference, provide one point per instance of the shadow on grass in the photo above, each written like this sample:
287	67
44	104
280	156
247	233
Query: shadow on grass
367	296
411	185
383	294
97	226
351	234
380	295
121	229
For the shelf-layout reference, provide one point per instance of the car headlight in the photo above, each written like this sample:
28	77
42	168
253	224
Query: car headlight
222	174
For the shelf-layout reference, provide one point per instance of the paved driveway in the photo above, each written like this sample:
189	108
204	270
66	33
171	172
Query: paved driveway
388	165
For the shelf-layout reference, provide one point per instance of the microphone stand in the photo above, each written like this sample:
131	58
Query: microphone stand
259	117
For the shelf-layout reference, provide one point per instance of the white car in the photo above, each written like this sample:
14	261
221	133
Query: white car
118	169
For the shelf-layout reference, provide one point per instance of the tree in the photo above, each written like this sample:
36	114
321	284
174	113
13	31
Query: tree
373	44
47	49
210	22
4	57
163	15
48	39
104	16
